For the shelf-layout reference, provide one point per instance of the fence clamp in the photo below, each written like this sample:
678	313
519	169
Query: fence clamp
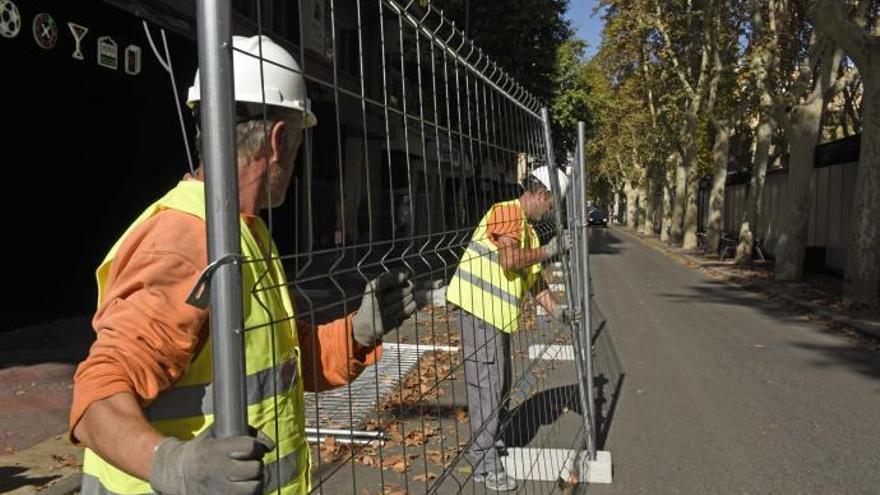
198	296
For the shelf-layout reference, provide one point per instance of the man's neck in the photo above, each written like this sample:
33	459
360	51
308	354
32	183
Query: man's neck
525	201
249	191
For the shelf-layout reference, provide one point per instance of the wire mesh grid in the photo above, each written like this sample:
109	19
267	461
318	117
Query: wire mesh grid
415	166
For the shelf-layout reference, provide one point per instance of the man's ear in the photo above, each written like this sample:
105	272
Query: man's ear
276	140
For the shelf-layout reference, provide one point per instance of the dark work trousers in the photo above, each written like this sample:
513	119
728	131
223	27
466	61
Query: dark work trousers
487	375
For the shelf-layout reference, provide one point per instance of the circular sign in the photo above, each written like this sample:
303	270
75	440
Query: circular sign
10	19
45	31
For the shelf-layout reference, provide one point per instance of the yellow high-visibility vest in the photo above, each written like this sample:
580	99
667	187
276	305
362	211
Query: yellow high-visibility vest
273	380
482	287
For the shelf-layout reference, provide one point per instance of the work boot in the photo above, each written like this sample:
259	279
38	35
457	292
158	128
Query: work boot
497	481
500	448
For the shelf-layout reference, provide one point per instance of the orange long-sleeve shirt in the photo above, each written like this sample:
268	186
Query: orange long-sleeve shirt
147	335
505	221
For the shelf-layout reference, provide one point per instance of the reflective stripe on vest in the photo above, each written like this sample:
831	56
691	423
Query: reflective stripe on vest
482	287
197	400
274	390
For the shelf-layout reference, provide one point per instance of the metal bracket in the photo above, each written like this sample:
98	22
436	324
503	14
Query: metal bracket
198	296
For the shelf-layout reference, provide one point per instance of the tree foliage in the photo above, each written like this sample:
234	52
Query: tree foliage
523	36
573	98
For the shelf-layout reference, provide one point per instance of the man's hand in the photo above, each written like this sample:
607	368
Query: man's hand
558	244
565	316
388	301
207	465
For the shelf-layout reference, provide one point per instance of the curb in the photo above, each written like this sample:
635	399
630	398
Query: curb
865	328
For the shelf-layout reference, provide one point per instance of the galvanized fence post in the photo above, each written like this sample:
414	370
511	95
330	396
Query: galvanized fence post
567	274
222	215
583	256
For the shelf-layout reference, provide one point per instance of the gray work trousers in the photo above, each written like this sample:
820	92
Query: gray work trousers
487	375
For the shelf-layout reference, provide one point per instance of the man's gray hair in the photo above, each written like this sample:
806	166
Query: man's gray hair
532	184
251	135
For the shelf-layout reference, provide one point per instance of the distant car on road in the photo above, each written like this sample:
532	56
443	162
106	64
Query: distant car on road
597	216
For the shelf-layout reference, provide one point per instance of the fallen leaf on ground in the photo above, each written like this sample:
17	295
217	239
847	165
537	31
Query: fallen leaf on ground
425	477
390	489
397	463
63	461
414	438
331	450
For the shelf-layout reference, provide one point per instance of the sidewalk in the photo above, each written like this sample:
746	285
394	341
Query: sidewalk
812	298
36	381
415	395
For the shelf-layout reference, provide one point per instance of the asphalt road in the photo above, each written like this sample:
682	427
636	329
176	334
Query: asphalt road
725	392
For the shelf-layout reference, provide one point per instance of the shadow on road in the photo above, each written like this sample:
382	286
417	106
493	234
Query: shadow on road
859	353
603	241
543	408
547	406
12	478
863	358
715	292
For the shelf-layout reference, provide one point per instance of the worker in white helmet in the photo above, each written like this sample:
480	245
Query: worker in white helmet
143	397
500	266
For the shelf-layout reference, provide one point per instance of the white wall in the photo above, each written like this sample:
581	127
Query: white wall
832	189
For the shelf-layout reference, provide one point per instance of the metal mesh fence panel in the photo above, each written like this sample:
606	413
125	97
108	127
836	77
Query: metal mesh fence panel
416	166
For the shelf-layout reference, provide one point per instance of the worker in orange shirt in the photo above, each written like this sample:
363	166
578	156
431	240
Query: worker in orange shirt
500	266
142	402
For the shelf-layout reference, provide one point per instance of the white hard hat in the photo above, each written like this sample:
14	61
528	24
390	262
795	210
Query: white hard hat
283	83
542	173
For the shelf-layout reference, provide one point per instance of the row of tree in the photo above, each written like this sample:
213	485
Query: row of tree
680	89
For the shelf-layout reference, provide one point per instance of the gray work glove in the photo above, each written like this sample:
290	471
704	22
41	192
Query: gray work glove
388	301
565	315
558	244
207	465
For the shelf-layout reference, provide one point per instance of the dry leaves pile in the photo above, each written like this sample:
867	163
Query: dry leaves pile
416	445
423	384
331	451
437	327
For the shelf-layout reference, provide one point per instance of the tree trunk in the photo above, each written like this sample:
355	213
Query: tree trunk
689	183
614	211
684	205
755	201
720	155
676	230
862	275
632	196
692	212
644	204
803	133
666	228
650	204
791	246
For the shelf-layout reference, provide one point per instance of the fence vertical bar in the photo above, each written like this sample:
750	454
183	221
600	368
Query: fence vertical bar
221	198
586	293
572	212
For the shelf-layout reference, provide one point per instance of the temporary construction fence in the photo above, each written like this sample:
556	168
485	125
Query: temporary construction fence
419	135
